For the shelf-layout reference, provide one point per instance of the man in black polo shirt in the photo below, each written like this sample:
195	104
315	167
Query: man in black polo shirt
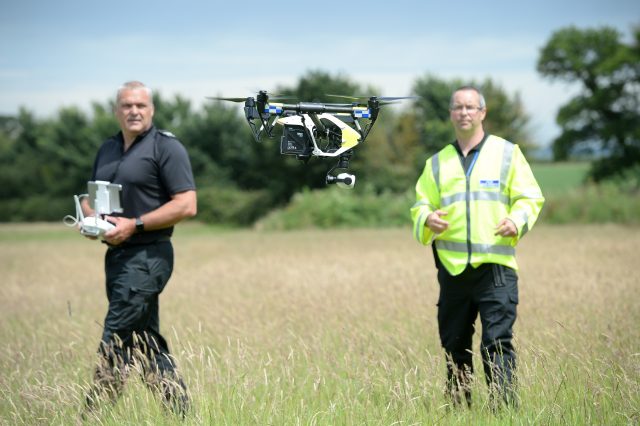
158	191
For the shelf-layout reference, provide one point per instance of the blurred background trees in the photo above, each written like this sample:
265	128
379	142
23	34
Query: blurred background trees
43	162
604	116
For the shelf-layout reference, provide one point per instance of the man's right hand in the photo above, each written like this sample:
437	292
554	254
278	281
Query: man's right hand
436	223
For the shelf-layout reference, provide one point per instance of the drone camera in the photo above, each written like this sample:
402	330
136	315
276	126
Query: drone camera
343	180
295	141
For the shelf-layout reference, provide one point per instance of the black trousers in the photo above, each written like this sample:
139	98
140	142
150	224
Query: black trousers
135	277
492	291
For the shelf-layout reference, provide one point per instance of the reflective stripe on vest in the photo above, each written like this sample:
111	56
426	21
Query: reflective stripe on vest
506	165
420	229
435	168
475	196
475	248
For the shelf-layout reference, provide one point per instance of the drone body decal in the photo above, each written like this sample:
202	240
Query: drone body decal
312	129
349	137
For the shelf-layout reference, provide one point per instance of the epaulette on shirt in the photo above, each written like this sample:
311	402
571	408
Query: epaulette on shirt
167	133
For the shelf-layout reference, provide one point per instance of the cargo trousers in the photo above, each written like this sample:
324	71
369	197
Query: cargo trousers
491	291
131	339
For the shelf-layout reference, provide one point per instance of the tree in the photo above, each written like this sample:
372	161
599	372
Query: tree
506	116
317	85
44	162
389	159
607	110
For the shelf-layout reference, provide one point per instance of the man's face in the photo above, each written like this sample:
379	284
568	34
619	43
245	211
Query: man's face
134	111
465	112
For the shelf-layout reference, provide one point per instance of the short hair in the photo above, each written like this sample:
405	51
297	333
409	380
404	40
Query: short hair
134	85
483	104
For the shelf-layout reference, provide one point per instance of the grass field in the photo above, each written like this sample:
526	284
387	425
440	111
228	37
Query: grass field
322	327
559	178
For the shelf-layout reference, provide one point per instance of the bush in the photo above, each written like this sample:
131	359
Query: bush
616	201
36	208
334	207
231	206
609	202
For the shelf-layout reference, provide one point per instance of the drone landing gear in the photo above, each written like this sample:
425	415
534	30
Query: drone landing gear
342	178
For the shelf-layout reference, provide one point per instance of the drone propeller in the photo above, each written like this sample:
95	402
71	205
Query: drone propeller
274	96
384	99
243	99
227	99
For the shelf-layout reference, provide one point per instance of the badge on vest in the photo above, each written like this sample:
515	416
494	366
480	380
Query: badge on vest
489	183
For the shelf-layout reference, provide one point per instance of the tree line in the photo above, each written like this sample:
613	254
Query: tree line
43	162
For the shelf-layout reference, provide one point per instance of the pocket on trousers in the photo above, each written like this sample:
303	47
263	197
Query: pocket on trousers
507	278
511	281
499	279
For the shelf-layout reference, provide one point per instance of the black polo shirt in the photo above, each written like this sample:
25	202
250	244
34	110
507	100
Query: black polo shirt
468	160
155	167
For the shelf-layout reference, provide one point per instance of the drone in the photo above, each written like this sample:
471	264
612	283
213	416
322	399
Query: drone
312	129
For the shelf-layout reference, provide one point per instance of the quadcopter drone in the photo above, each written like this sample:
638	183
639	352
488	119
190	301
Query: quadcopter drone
316	129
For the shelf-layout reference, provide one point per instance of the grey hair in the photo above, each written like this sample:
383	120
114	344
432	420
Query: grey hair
134	85
482	105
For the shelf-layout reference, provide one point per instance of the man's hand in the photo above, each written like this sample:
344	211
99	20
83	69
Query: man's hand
125	228
435	221
506	228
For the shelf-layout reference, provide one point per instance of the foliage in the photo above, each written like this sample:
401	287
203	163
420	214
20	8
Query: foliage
229	205
606	202
318	86
44	162
568	201
35	208
607	110
336	207
506	116
389	159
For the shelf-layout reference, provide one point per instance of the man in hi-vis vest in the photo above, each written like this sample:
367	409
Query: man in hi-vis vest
476	199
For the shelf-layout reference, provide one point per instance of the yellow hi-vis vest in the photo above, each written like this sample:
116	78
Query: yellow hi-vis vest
500	185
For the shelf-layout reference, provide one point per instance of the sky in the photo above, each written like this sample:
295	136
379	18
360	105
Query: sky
58	54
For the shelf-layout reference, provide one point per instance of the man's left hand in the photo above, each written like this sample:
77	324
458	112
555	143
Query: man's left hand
125	228
506	228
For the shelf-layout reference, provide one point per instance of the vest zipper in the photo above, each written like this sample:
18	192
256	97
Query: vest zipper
468	201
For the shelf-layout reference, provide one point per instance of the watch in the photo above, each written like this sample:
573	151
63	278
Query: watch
139	224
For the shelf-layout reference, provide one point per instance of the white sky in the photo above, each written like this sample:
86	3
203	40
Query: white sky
72	53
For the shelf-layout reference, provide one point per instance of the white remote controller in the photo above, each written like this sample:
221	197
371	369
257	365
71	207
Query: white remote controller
94	226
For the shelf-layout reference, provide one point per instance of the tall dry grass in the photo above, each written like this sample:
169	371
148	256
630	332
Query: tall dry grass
322	327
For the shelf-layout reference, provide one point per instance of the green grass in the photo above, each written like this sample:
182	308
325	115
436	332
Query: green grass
560	178
322	328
